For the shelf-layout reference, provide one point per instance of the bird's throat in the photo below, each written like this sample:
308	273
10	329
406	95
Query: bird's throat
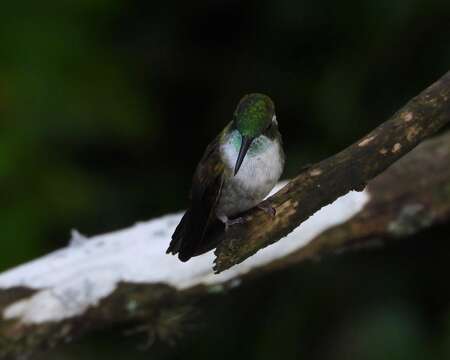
258	146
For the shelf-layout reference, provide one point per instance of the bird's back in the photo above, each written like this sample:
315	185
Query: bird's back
194	232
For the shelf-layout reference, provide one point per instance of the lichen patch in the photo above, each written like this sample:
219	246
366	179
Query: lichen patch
411	218
412	132
286	205
408	116
366	141
67	286
396	148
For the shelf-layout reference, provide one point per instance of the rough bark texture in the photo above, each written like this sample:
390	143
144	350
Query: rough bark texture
351	169
411	195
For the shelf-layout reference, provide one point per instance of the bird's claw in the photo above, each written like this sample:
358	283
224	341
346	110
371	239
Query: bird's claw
231	222
269	210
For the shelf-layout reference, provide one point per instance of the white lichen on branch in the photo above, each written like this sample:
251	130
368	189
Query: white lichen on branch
71	280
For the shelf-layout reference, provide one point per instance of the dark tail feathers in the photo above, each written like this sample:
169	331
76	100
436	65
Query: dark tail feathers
191	239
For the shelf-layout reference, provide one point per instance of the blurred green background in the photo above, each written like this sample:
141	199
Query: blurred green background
106	107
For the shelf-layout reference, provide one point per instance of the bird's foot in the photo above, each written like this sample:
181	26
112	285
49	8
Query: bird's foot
269	210
230	222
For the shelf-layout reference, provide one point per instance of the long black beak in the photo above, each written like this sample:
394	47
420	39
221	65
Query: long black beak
245	144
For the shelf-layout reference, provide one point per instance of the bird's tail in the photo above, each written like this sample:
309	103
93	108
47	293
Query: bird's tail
180	233
191	238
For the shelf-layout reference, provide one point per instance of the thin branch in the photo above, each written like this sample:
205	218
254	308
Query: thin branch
324	182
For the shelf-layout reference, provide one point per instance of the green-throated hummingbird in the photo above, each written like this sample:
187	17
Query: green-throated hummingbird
237	171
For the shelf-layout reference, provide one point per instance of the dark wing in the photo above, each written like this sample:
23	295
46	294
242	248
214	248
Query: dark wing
191	235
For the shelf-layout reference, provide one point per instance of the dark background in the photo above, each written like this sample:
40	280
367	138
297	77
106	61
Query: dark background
106	106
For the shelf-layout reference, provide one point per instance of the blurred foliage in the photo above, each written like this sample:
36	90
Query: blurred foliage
106	106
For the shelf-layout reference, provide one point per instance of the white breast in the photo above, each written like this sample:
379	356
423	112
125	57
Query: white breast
259	172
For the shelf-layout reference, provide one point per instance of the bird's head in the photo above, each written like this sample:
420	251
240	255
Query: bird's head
254	115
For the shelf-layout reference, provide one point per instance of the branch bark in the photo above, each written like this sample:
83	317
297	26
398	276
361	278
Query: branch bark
351	169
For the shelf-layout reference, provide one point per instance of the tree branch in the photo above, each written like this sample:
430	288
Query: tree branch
126	278
324	182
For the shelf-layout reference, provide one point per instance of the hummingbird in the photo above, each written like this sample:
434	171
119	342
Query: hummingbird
237	171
